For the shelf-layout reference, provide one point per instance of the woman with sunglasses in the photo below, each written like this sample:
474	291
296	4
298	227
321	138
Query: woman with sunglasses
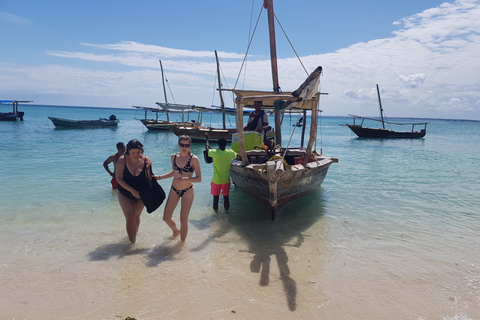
184	165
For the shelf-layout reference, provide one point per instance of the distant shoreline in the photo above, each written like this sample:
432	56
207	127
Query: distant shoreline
346	117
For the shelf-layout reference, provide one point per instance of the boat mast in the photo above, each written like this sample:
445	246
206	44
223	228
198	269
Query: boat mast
381	109
268	4
222	105
163	82
164	91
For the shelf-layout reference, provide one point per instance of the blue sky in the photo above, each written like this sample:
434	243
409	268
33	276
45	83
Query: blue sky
423	54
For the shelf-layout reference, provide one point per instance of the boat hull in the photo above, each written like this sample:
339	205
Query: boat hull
364	132
162	125
274	189
198	133
11	116
156	125
69	123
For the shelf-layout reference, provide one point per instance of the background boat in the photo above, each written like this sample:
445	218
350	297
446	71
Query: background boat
167	108
112	121
164	125
409	129
198	133
15	114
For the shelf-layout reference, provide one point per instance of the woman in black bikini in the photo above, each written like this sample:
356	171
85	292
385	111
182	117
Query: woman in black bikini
184	164
131	177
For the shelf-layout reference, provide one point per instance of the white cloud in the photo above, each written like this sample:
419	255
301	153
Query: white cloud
428	68
413	80
10	19
152	50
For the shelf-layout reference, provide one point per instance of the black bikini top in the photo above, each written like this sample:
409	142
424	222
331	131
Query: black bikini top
186	168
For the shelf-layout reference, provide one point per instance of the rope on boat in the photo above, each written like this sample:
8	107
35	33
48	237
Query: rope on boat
248	48
291	136
285	163
287	167
285	183
291	45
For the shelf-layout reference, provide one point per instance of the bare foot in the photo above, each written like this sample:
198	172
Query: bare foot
175	233
180	244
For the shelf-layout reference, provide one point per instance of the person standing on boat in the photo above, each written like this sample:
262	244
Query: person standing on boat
222	158
114	158
131	177
184	165
258	119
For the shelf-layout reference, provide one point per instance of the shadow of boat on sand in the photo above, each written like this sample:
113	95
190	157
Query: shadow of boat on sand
266	238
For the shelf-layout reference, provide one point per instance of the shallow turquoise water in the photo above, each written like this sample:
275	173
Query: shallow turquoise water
398	210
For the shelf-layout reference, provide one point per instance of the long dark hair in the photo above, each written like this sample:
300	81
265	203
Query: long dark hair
134	144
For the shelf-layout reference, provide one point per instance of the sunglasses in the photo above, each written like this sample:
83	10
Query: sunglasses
184	145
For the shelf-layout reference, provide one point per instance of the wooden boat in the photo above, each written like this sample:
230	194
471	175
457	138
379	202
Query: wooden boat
369	132
15	114
112	121
167	109
280	175
164	125
198	133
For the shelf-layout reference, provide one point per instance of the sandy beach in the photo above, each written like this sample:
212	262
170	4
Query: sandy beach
230	268
391	234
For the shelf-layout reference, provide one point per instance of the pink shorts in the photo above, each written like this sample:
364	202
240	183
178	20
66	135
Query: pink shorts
216	188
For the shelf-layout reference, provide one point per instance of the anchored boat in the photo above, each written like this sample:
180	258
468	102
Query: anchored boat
411	131
15	114
198	133
167	109
112	121
279	175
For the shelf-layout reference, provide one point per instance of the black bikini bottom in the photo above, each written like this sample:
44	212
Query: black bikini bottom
180	193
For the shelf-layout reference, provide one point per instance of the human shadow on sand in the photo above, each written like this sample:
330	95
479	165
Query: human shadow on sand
266	238
165	251
119	250
218	226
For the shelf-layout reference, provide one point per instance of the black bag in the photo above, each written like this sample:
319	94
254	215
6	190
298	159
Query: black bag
206	157
152	195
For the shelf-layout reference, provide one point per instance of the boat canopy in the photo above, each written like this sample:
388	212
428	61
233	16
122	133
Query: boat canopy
217	109
162	110
175	106
13	101
298	99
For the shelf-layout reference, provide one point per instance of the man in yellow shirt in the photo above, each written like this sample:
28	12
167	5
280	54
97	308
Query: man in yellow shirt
222	158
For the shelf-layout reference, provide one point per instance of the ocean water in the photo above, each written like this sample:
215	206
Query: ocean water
393	233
